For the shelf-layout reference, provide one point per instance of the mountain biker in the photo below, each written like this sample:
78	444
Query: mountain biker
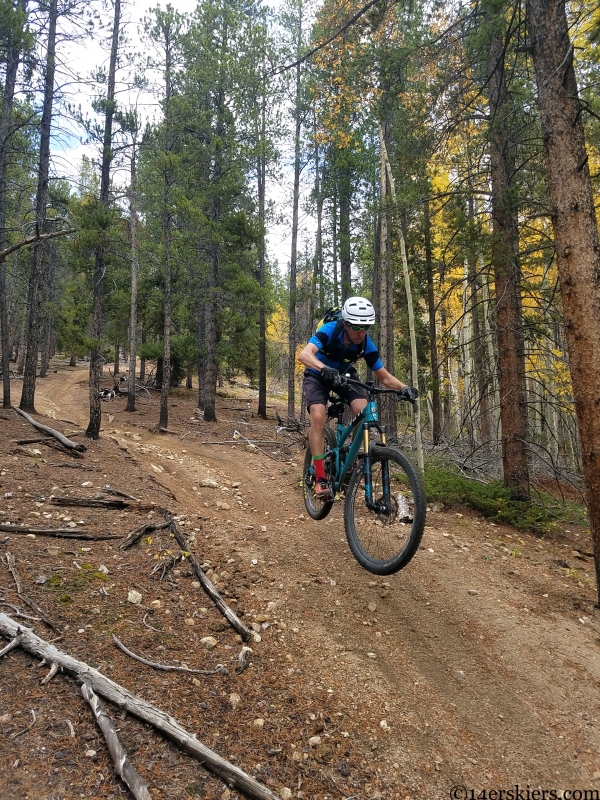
332	350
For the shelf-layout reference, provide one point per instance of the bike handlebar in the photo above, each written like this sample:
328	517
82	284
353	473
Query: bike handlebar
402	394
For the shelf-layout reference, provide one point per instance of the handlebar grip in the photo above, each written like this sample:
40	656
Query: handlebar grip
409	393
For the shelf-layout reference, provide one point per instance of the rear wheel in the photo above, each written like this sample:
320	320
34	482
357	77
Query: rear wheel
316	508
384	540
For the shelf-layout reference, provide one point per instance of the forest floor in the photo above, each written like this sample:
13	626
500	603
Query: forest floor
477	666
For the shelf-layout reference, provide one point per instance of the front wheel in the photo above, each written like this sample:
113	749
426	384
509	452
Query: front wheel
384	540
316	508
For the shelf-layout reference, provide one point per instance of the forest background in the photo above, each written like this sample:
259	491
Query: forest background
446	154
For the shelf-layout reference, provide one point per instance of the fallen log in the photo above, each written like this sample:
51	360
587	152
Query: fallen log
123	766
206	584
60	533
57	435
91	502
233	776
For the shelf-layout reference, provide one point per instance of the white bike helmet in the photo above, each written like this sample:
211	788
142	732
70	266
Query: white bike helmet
358	311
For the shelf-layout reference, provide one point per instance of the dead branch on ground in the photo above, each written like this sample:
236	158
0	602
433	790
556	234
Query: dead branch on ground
58	446
59	533
11	645
9	562
137	534
73	466
163	487
93	502
219	669
18	613
109	490
165	565
57	435
206	584
233	776
123	766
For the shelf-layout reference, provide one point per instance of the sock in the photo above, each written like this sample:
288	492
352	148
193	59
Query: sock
319	467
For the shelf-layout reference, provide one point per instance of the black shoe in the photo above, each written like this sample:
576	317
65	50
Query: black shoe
323	490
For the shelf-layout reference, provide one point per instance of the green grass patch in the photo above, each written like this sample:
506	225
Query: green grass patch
493	501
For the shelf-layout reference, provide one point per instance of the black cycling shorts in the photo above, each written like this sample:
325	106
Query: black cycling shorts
316	390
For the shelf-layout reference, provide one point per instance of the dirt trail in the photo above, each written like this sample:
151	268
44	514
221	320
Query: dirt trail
477	665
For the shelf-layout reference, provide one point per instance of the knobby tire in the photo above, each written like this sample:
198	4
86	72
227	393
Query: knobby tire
385	543
317	509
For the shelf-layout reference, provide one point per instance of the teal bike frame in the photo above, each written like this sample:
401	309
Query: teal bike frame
342	459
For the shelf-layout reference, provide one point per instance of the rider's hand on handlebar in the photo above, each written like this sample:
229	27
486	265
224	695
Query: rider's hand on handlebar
408	393
331	375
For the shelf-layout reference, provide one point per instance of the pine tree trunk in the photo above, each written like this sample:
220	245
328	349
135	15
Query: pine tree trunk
261	173
344	178
210	337
505	261
12	59
292	334
575	230
131	395
38	278
481	375
165	385
96	360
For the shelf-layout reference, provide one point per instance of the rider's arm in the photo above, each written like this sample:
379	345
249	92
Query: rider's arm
308	357
389	380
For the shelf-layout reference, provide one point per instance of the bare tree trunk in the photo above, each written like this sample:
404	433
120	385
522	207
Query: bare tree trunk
481	376
130	406
261	172
12	56
334	247
46	316
410	309
292	335
436	428
344	179
317	276
386	291
210	335
38	278
505	260
96	360
575	230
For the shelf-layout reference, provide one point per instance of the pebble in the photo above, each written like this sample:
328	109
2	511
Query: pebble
208	642
473	592
134	597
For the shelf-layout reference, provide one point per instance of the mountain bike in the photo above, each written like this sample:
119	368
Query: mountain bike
384	506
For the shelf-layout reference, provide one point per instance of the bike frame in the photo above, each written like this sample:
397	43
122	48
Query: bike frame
342	463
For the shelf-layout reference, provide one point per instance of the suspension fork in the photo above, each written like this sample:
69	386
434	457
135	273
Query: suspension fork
378	506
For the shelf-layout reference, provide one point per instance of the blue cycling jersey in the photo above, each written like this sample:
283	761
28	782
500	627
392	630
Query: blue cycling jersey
322	339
